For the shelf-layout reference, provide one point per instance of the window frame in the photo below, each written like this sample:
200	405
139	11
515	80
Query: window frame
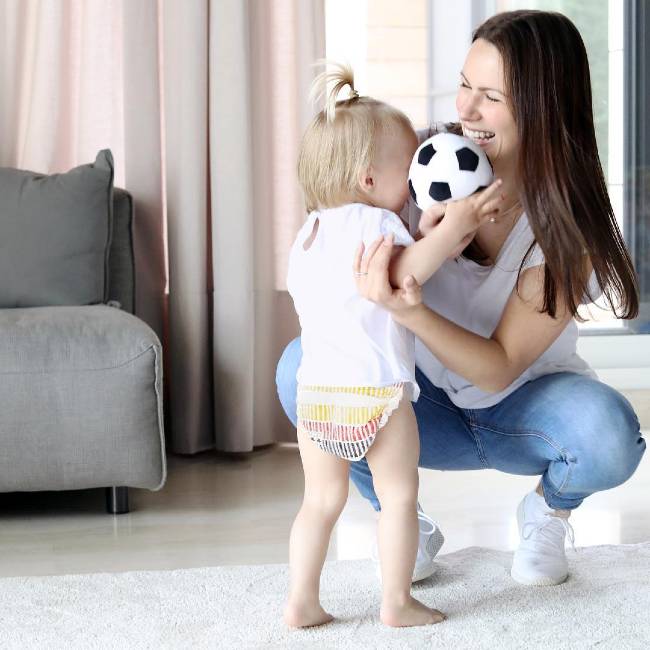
636	179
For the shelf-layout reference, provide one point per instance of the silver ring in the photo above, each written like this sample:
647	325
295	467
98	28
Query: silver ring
357	273
492	219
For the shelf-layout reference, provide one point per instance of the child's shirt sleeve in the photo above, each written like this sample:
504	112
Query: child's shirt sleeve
391	224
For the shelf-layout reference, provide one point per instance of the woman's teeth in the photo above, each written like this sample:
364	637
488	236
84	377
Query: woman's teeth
478	135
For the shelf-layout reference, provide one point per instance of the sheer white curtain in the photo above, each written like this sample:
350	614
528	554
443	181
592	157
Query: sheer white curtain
202	103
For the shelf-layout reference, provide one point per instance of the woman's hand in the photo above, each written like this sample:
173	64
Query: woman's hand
465	216
371	276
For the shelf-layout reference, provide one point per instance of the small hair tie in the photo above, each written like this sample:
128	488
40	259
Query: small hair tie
353	94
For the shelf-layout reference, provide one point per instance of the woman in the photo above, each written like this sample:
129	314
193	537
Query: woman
501	383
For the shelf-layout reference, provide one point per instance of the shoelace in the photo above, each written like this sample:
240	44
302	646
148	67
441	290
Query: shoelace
530	528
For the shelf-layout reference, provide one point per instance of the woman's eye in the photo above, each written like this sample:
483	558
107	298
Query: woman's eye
463	85
492	99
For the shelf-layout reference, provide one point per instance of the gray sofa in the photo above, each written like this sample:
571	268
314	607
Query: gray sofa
81	389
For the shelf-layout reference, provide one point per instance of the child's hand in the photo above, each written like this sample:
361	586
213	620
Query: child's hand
466	216
431	217
463	217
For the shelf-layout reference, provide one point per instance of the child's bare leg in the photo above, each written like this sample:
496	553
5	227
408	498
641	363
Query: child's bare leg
326	491
393	460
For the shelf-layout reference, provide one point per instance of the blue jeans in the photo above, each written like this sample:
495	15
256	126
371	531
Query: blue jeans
578	434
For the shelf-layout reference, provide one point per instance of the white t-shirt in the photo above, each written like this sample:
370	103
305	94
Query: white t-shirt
346	339
474	297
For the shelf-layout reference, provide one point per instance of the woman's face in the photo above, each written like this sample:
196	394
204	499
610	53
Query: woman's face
482	105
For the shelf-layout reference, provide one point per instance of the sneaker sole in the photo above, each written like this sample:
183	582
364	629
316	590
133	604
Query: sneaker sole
537	582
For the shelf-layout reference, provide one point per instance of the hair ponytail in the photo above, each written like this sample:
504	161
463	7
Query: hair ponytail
340	76
341	140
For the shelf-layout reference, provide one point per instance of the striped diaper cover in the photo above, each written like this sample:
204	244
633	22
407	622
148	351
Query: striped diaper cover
344	420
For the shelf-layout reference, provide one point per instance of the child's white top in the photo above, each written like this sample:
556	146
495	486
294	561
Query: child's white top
346	339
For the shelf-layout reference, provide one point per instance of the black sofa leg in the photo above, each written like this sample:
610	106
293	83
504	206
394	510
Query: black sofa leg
117	500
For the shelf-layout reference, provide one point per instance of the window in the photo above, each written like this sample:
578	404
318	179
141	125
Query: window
386	44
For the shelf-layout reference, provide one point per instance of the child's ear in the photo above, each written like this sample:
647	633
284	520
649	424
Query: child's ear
366	180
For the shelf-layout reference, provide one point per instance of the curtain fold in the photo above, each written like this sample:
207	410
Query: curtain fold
287	37
141	122
186	134
260	70
233	184
203	103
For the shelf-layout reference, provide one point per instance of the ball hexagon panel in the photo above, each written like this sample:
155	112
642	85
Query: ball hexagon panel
439	191
425	154
467	160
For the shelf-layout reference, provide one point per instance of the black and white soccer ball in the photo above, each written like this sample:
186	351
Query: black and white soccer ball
447	167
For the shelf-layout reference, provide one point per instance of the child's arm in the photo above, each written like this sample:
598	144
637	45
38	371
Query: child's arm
423	258
462	219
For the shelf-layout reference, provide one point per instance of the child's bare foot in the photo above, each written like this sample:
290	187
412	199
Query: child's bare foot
409	613
305	615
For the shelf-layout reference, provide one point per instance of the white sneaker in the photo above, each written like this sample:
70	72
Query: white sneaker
541	559
429	543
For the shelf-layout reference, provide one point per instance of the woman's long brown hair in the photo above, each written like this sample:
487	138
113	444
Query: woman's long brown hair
564	191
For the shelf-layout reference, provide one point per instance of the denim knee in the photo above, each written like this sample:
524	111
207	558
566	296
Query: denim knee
607	437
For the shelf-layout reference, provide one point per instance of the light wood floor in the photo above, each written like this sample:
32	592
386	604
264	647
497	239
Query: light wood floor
217	510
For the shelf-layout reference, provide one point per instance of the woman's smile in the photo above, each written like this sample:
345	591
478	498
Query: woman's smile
478	136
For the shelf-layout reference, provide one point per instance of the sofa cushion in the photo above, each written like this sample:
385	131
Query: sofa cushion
80	400
55	235
70	339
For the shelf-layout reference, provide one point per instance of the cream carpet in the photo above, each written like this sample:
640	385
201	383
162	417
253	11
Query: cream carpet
605	604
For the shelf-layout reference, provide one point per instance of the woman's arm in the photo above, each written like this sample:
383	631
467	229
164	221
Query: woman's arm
522	335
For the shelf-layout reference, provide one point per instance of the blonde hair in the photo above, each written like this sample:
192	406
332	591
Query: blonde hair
341	140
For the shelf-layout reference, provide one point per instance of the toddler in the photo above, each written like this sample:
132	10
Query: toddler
356	380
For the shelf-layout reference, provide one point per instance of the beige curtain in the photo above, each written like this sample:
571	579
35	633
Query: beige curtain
236	85
203	103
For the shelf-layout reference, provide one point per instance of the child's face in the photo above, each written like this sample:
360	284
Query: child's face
390	169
